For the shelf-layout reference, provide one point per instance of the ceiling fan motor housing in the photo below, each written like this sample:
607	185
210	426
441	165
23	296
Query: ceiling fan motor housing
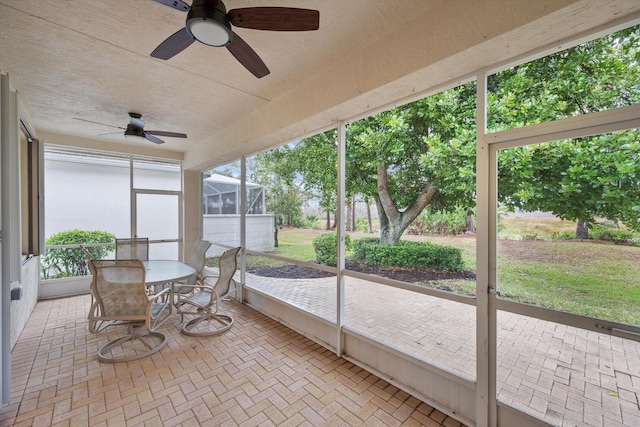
207	22
210	24
133	130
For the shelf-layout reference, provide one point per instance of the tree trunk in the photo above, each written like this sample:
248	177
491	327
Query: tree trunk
353	213
390	231
349	207
392	235
275	236
582	229
397	221
471	224
369	217
383	219
328	224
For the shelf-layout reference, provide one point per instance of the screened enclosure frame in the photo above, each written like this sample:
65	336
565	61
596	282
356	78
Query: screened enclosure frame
216	187
486	302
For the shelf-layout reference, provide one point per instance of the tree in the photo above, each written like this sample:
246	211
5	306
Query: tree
315	158
413	156
423	154
310	166
404	159
577	180
283	195
582	179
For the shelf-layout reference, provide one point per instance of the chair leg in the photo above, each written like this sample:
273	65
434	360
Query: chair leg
152	342
191	327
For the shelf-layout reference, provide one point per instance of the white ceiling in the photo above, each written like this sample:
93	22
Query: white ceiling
89	59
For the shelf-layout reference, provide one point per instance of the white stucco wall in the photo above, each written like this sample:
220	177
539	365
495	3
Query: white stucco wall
225	230
86	196
21	309
93	196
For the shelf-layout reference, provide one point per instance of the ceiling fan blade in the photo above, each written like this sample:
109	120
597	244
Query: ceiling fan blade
175	4
163	133
275	18
247	57
153	139
173	45
98	123
110	133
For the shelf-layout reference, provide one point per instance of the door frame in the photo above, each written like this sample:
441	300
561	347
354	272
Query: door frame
135	192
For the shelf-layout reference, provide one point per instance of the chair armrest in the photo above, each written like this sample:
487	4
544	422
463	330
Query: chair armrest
154	297
195	288
231	281
203	279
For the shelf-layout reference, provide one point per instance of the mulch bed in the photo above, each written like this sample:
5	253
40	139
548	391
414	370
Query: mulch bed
409	275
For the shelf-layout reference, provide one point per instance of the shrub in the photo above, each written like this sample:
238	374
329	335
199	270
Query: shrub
440	222
564	235
311	220
298	222
326	247
362	224
360	247
615	235
69	262
408	254
532	236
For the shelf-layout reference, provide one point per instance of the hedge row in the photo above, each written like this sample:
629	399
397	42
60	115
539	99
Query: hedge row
408	254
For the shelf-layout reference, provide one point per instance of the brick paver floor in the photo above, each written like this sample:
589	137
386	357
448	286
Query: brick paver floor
564	375
258	373
261	372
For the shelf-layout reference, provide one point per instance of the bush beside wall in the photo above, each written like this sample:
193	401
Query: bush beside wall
408	254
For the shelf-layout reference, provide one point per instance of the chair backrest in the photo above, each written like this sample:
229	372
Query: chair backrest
119	288
199	255
227	265
198	259
133	248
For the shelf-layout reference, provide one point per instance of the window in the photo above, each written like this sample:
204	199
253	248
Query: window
31	179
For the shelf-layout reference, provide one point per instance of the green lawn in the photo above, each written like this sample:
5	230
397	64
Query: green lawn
294	243
594	279
543	227
590	278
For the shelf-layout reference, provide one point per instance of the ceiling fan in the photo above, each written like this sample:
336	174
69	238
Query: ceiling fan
209	22
135	128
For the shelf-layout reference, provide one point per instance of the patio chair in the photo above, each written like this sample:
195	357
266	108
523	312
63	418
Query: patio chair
133	248
94	310
204	302
121	299
197	260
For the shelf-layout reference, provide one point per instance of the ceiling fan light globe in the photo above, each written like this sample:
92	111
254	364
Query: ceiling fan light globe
207	22
209	31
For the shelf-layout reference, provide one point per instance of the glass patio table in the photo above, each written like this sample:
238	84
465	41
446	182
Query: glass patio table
159	272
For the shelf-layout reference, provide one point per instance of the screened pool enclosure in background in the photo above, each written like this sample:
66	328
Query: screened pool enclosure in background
221	214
